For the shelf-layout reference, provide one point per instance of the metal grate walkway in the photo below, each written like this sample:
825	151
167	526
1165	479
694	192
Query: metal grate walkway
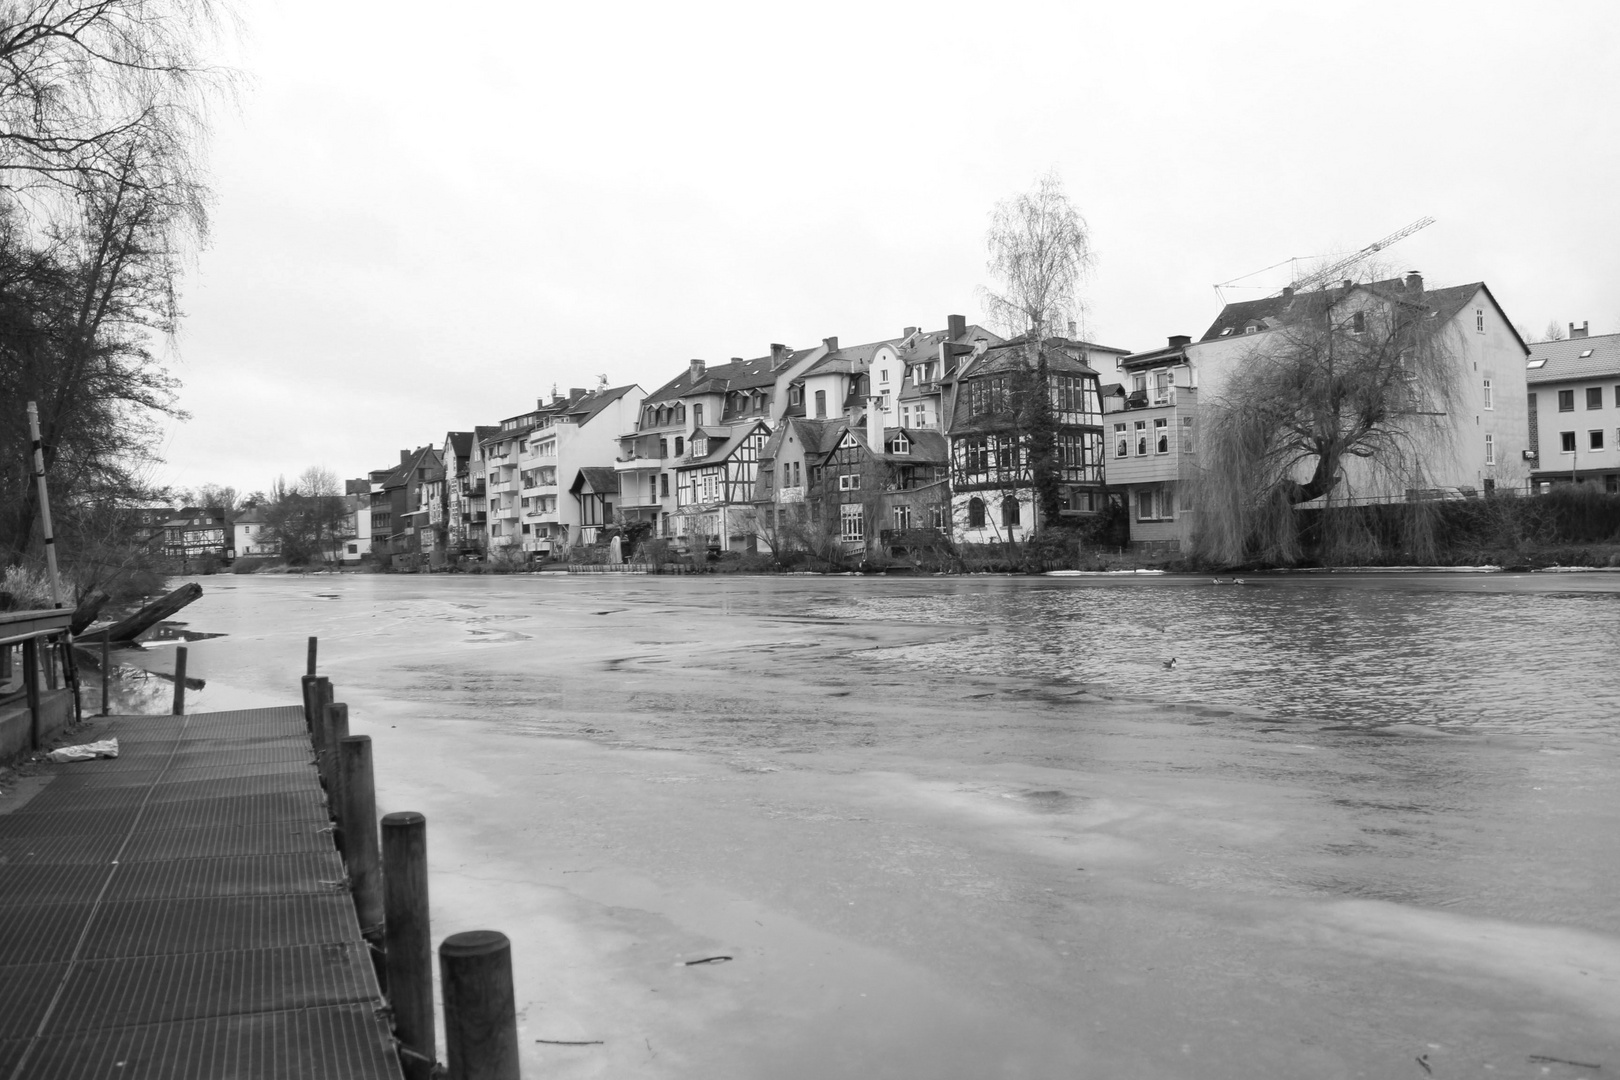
180	911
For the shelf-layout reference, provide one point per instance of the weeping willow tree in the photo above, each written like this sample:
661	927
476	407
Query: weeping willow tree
1347	401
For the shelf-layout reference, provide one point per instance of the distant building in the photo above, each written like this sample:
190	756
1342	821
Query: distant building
197	532
251	535
1574	403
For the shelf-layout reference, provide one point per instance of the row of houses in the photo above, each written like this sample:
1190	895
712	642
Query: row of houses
885	445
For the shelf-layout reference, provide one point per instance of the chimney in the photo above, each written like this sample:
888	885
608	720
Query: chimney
831	343
779	354
1288	291
955	326
1575	332
1349	284
874	424
1179	341
1414	281
1074	330
697	370
575	391
405	455
909	331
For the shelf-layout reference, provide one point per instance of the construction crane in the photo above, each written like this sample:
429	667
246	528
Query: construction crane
1331	271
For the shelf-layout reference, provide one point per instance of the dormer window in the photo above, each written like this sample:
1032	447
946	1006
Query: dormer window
1251	329
902	445
795	394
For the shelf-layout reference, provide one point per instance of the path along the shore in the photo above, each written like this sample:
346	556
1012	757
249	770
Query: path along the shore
180	911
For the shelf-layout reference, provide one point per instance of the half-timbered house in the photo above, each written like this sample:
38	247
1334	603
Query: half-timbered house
714	489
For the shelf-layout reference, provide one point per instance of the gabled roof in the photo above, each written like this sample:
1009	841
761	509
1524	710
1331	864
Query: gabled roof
1554	361
1272	311
460	442
815	436
585	409
602	481
1011	355
928	447
400	475
727	448
251	516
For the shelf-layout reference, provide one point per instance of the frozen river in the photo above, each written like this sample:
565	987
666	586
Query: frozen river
1365	827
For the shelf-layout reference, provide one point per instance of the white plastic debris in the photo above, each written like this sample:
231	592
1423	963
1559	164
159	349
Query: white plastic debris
86	751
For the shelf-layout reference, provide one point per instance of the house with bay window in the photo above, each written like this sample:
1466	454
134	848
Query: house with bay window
1153	442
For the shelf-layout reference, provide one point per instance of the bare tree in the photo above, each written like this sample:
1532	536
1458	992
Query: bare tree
1363	376
1554	331
1040	251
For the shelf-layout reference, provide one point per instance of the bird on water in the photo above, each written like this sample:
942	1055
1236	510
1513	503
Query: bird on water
1170	664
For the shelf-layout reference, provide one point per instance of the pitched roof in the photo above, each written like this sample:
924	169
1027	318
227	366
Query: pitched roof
725	449
736	375
585	409
603	481
1553	361
460	442
1271	311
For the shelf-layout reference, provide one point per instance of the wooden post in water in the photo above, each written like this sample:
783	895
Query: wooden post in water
311	666
106	675
308	685
359	824
480	1006
408	950
326	748
335	730
180	681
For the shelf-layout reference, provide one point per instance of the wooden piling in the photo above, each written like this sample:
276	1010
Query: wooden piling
106	675
326	752
311	663
30	660
335	729
480	1010
308	685
359	823
408	945
179	681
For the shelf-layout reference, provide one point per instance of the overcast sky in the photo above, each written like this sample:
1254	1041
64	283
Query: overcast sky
427	216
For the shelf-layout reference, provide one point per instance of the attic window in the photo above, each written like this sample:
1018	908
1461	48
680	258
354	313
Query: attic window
1584	354
1251	329
1534	364
902	445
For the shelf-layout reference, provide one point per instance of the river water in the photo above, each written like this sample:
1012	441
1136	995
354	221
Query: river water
976	827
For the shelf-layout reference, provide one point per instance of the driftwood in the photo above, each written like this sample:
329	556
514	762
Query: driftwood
130	628
86	612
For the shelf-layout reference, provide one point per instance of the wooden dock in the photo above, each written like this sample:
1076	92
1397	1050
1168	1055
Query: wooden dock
182	911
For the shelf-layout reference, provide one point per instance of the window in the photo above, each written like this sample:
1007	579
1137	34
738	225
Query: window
1141	438
1161	435
680	446
975	513
849	481
1490	449
901	445
821	404
1566	441
1566	401
663	448
663	485
697	415
795	394
1594	397
902	517
883	375
1358	323
1595	439
1617	396
798	477
1186	434
883	400
1479	320
1122	441
1009	511
1161	387
850	521
680	414
1251	329
1488	404
354	549
922	409
1152	505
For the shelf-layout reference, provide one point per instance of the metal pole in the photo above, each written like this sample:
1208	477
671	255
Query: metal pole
179	681
408	948
44	504
480	1010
